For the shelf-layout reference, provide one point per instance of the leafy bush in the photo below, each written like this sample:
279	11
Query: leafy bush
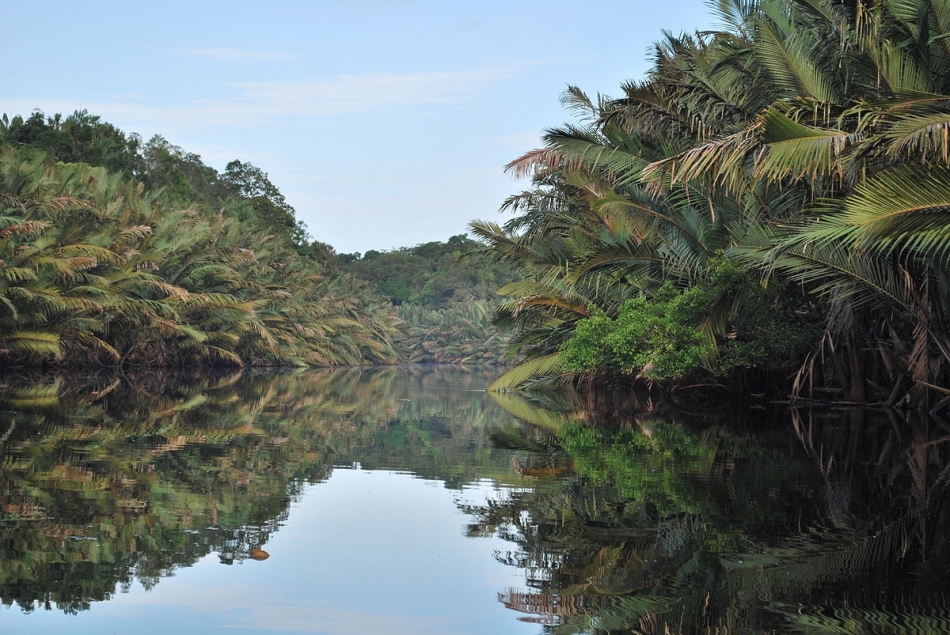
659	337
724	325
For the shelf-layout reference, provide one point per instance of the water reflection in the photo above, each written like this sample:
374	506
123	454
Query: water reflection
107	481
758	522
801	521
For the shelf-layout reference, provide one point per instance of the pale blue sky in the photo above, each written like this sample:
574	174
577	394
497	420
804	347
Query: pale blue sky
385	123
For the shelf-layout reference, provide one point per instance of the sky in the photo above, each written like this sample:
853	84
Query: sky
385	123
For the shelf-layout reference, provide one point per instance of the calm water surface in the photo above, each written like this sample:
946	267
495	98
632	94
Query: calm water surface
411	501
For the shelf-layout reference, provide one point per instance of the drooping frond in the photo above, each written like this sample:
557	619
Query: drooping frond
792	150
535	369
792	51
719	163
903	209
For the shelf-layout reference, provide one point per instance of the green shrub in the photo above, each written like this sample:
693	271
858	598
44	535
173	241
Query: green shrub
659	337
727	324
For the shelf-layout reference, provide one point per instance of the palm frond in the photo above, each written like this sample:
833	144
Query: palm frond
532	370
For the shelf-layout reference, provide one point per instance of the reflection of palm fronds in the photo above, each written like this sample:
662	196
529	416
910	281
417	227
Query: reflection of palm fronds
530	412
147	476
909	615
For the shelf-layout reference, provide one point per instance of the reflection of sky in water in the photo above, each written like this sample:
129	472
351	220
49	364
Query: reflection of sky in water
365	552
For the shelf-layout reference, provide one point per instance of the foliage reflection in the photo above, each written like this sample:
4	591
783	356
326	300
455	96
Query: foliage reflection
112	480
766	521
808	521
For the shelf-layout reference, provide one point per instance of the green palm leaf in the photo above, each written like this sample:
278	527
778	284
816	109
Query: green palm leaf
32	342
533	370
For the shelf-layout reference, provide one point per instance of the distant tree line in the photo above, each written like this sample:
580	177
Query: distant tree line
444	297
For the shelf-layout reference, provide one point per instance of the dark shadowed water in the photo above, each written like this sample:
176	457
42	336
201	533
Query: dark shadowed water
410	501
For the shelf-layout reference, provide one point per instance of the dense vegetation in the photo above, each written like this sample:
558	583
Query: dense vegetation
766	208
116	252
443	298
792	165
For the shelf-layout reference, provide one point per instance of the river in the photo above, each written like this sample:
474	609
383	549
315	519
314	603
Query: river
410	501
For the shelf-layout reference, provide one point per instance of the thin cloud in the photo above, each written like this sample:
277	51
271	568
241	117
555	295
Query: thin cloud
519	141
365	93
251	103
382	4
470	25
231	54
